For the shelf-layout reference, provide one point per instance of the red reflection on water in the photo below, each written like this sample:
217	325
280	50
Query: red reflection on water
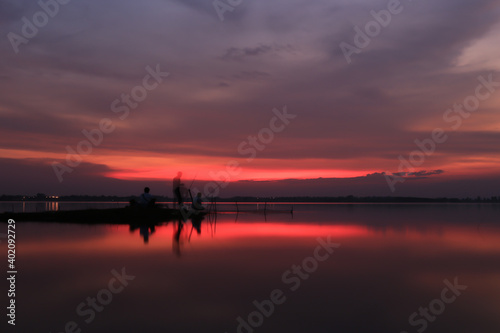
238	230
121	238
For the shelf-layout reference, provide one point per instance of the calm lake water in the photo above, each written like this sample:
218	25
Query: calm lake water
328	268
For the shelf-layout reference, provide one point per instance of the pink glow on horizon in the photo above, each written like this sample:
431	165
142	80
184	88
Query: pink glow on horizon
216	174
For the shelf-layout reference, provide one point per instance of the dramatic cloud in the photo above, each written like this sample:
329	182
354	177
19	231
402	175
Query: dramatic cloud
225	79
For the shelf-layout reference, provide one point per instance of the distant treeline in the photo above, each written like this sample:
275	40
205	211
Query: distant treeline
354	199
346	199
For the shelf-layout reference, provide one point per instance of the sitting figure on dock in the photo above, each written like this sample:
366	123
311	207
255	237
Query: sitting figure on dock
146	200
197	202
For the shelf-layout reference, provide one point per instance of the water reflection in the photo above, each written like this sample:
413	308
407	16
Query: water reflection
176	242
391	262
183	229
145	230
181	234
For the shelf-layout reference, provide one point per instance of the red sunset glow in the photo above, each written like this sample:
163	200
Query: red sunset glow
105	111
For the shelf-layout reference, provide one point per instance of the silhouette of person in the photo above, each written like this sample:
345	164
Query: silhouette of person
146	200
176	184
196	223
146	230
197	202
176	242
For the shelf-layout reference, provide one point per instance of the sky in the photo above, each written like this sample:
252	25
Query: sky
265	98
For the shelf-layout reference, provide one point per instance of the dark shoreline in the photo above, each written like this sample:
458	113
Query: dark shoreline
125	215
303	199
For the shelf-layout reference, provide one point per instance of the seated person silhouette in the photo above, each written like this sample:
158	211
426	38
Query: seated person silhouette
146	200
197	202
